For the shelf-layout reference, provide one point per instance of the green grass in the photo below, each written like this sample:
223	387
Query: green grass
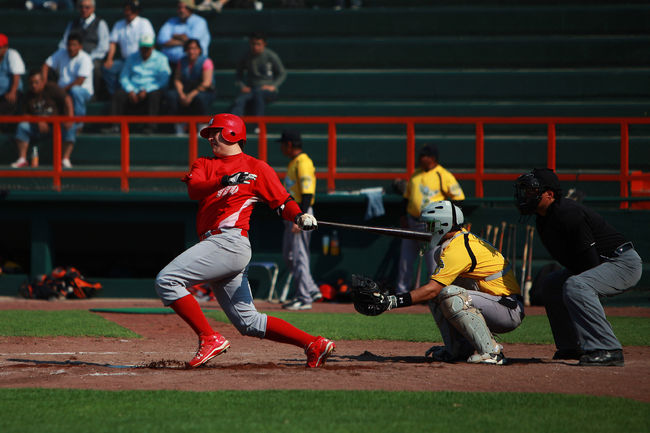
631	331
69	411
68	323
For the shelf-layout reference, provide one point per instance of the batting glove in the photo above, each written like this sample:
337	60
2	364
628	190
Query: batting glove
306	222
237	178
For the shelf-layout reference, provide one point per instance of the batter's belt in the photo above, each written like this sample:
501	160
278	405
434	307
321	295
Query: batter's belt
218	231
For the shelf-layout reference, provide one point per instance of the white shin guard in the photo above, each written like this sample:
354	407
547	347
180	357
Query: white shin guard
457	308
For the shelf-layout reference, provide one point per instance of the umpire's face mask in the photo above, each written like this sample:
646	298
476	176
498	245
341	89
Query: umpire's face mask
528	193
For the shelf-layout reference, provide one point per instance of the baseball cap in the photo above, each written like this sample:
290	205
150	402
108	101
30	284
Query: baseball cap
147	41
188	3
290	135
547	179
429	150
4	40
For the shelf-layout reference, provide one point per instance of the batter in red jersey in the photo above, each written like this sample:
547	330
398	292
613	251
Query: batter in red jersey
226	187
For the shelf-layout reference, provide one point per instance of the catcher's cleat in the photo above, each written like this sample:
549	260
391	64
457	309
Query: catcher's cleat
496	357
318	351
209	347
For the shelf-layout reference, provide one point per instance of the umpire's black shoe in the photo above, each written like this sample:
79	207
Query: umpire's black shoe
568	354
602	358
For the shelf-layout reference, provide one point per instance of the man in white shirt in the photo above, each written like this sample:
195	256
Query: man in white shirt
126	33
75	70
94	38
11	69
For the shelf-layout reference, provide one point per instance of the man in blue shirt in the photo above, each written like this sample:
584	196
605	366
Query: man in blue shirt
179	29
143	81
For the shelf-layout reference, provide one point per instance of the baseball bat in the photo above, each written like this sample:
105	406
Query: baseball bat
524	259
528	284
501	233
387	231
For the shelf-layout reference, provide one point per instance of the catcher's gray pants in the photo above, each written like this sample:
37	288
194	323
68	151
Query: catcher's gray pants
295	251
501	314
573	307
409	254
221	260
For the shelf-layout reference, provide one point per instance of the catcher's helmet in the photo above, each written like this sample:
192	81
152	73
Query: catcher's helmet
441	217
233	127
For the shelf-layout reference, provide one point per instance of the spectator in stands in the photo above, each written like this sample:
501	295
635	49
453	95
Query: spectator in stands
259	75
179	29
94	38
428	184
143	80
74	68
43	99
52	5
193	91
11	69
126	33
208	5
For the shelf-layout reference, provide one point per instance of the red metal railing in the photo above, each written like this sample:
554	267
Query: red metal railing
623	177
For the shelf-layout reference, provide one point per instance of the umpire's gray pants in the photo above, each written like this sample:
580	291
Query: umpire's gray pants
221	260
573	307
409	255
295	251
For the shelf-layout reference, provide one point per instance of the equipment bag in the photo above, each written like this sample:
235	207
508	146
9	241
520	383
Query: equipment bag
62	282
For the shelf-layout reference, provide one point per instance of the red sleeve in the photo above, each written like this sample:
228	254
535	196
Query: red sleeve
198	186
291	210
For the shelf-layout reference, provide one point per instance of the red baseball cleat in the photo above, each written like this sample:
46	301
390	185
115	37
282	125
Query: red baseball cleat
318	351
209	347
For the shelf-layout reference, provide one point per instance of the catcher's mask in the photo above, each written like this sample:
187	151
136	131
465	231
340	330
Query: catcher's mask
232	127
441	217
529	188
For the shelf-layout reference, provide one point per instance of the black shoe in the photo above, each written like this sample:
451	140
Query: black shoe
602	358
568	354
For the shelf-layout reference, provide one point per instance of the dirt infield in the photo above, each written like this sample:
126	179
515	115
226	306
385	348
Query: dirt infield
157	361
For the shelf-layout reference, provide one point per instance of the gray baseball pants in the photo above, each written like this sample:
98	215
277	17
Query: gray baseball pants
295	251
500	316
221	260
573	307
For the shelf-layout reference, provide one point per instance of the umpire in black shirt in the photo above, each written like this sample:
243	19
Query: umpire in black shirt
598	261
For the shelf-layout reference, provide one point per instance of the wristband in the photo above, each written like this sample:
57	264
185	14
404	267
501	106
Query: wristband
403	300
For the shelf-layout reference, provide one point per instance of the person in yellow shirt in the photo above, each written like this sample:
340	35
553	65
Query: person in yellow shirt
432	182
472	292
300	182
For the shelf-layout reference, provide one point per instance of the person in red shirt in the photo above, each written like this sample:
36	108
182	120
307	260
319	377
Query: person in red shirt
226	188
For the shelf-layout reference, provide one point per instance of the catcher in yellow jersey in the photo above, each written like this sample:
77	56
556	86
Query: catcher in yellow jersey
300	182
432	182
472	292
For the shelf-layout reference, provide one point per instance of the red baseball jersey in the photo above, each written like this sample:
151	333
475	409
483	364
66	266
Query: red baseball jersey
231	206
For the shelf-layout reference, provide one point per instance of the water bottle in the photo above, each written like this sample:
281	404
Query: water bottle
326	244
35	156
334	244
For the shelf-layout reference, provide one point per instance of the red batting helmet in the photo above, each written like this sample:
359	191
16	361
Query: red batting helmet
233	127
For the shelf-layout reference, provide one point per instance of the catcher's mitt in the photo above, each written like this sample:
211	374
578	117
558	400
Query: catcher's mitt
367	297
